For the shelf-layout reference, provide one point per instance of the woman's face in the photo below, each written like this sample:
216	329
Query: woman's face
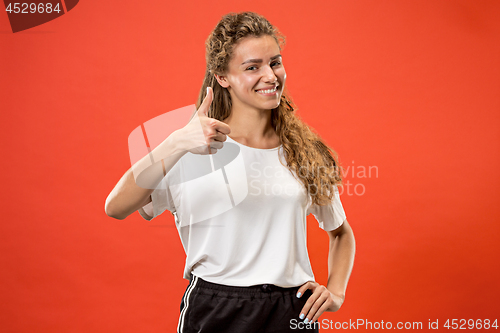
256	76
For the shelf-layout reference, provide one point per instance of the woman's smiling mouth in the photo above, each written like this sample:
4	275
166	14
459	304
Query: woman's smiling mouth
268	91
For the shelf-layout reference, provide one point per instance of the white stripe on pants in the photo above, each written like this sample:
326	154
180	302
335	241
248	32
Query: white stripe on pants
180	326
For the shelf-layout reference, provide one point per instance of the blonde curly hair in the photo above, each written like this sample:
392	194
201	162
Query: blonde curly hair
303	149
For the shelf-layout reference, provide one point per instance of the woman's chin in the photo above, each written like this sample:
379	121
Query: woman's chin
273	104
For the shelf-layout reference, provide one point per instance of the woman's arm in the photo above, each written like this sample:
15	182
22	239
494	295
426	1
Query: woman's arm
340	259
340	262
202	135
127	197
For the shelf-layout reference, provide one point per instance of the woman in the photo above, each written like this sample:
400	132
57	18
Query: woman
247	263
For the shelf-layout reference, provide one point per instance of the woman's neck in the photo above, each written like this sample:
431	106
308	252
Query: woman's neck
252	127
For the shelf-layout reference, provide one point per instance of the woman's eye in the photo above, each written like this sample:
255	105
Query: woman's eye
251	68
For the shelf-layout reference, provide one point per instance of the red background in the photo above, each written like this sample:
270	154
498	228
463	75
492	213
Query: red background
409	87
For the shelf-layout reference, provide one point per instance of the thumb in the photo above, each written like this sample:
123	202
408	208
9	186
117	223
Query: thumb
204	107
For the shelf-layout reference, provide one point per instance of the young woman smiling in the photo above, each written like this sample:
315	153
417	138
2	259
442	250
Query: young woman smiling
248	266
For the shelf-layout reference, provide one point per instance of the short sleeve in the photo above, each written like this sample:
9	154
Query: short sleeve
161	200
330	216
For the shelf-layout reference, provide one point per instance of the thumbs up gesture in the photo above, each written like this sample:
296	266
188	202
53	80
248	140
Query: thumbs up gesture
204	135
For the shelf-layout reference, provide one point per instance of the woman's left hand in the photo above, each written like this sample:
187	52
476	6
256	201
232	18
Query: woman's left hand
320	301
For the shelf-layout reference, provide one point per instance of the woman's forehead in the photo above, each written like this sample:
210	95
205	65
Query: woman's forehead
264	47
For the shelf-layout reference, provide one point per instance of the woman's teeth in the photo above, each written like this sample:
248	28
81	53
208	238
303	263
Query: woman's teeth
267	91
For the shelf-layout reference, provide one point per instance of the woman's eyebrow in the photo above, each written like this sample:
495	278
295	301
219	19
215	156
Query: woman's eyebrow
259	60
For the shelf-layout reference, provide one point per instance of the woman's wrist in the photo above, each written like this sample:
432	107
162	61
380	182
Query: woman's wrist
170	147
336	292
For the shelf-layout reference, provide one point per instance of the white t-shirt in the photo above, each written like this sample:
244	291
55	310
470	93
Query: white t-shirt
241	216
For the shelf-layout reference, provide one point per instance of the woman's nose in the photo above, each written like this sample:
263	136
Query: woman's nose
269	75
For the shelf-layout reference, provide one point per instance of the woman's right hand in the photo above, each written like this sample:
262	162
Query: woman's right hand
203	135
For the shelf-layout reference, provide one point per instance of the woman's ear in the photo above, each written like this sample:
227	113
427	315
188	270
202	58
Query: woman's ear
222	80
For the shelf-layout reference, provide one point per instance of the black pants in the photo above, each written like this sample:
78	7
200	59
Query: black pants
208	307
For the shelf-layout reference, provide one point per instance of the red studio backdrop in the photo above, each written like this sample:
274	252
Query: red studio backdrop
406	92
